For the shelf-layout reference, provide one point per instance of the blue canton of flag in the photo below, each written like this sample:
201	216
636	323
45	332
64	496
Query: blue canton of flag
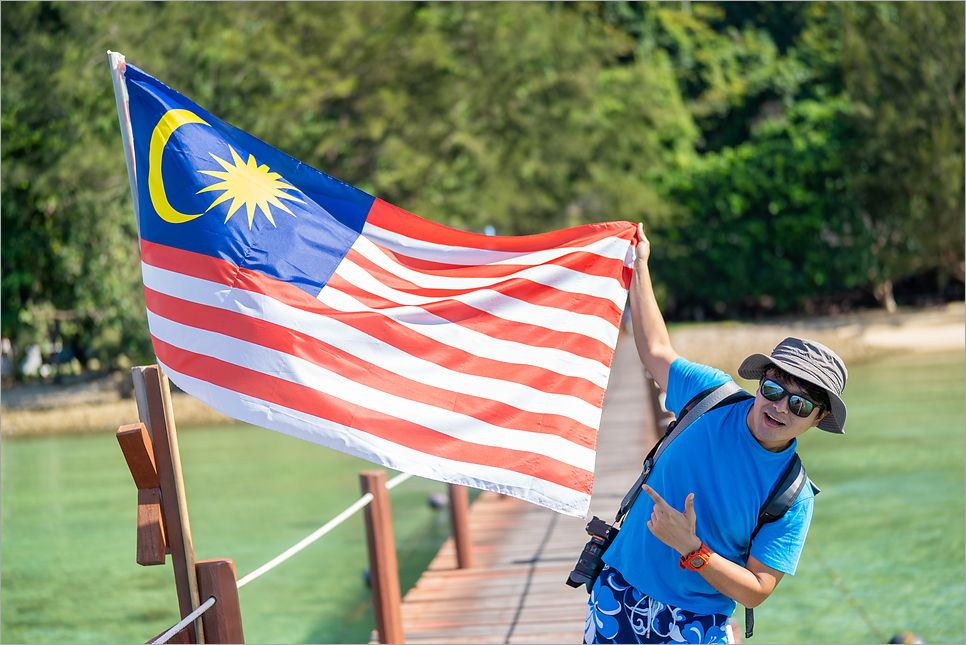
274	214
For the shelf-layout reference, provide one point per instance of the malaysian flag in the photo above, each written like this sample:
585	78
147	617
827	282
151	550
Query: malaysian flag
288	299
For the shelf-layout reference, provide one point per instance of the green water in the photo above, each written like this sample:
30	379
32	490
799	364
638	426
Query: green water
885	552
68	550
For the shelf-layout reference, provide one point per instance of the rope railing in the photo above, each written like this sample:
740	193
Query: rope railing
187	620
336	521
265	568
150	450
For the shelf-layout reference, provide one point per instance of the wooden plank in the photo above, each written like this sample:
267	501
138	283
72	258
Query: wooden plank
139	455
151	545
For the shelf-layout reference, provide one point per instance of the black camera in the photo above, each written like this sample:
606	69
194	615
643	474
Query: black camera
589	563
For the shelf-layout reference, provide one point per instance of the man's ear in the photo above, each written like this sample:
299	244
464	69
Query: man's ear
818	419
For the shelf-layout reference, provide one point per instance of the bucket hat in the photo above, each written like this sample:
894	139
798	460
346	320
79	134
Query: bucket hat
811	362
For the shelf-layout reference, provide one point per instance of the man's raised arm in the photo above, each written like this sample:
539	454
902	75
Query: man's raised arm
650	331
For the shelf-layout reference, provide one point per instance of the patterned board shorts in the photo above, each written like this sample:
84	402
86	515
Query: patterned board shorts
619	613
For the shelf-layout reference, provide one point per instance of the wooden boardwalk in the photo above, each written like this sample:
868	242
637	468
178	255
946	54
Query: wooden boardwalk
523	553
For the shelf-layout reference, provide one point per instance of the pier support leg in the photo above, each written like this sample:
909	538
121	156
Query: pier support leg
459	505
383	566
222	623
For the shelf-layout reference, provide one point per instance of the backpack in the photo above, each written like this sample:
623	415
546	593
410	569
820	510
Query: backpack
784	494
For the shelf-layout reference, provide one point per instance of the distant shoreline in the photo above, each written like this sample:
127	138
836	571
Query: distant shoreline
98	405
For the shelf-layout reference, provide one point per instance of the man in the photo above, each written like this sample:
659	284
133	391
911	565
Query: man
679	563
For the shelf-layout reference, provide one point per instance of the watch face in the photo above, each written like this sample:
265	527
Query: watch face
697	561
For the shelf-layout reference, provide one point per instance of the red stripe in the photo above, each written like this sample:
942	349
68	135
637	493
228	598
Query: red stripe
519	288
397	220
375	324
486	323
288	341
304	399
223	272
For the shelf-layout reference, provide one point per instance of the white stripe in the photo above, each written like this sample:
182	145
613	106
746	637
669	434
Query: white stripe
417	320
361	444
550	275
614	248
493	302
296	370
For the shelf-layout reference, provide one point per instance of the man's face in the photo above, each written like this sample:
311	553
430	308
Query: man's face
773	424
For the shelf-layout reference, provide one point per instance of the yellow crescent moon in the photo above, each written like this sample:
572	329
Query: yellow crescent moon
171	121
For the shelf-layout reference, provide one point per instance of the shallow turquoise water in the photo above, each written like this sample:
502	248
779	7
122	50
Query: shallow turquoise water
885	552
68	525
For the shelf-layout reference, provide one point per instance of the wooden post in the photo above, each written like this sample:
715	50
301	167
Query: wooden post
459	503
154	408
383	567
222	622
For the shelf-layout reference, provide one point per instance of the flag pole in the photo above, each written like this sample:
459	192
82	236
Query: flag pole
127	134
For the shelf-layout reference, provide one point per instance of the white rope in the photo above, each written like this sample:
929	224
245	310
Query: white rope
395	481
339	519
163	638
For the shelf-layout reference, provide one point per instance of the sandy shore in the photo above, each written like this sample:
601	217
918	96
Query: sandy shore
857	337
100	405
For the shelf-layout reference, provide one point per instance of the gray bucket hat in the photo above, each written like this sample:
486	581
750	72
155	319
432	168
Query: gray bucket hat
811	362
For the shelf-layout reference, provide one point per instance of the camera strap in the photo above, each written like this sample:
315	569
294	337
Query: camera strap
715	397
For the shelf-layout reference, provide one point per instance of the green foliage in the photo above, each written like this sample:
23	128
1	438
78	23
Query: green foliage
844	118
69	249
772	220
904	68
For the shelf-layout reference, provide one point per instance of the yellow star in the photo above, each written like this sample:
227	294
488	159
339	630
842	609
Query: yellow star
249	184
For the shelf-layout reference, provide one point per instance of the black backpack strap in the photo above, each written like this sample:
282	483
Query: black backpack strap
783	496
785	493
715	397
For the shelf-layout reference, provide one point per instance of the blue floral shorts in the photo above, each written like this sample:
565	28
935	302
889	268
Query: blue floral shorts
619	613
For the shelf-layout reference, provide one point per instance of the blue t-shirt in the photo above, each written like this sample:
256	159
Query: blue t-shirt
731	475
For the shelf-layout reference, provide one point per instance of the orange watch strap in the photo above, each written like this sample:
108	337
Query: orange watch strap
696	560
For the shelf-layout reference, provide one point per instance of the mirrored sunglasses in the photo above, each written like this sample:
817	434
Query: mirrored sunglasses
798	404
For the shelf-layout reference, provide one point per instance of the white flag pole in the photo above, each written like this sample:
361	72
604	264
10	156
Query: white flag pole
127	134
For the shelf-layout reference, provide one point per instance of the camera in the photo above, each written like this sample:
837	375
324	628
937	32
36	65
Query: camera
589	563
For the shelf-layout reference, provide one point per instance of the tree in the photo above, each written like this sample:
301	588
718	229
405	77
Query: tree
772	222
904	71
69	253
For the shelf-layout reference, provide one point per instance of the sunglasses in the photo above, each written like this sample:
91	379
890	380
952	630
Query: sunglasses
798	404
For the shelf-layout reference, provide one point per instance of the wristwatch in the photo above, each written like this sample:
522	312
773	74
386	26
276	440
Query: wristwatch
696	560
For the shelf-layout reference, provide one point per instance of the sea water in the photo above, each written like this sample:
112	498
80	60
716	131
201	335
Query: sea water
69	532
